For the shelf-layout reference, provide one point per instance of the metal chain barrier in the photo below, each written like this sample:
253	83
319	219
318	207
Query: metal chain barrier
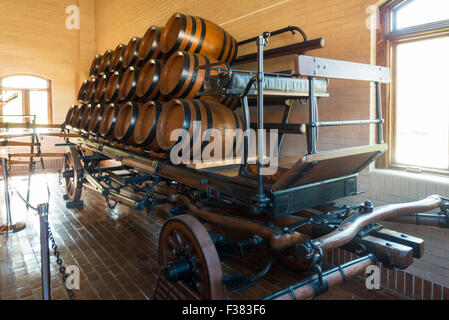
60	262
44	225
46	234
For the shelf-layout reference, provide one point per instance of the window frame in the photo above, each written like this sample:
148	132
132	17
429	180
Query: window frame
387	40
26	95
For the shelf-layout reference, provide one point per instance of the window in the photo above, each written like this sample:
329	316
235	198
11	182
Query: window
33	98
415	45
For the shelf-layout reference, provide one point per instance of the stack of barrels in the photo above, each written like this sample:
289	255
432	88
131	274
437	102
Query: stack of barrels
139	93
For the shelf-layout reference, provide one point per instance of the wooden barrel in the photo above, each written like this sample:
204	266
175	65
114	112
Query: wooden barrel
126	120
85	118
95	65
117	58
82	91
150	47
128	84
230	102
109	120
100	91
105	61
148	81
91	89
131	52
146	125
113	87
198	35
180	76
75	123
180	113
69	116
95	119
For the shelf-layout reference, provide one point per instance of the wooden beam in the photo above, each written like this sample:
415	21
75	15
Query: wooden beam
15	135
7	125
17	162
407	240
340	153
391	254
36	155
60	135
18	144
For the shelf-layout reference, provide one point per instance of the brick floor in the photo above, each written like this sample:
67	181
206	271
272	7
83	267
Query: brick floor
116	251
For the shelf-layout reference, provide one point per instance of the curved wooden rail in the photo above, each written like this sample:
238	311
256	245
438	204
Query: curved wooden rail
353	225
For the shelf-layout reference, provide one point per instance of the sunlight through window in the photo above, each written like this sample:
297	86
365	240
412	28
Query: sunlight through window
422	104
418	12
33	98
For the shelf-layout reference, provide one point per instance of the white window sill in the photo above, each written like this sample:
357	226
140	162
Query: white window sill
416	176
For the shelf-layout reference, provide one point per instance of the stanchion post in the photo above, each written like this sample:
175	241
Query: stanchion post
7	202
45	251
9	227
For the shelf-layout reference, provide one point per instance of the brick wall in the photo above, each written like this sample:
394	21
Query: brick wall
34	40
385	187
408	284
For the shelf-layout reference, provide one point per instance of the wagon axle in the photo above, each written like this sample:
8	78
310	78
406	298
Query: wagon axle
182	269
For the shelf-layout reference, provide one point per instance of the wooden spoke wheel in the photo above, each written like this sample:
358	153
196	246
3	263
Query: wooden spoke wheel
73	173
188	254
290	258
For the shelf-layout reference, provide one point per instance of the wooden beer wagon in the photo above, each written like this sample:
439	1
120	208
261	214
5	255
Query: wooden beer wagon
291	212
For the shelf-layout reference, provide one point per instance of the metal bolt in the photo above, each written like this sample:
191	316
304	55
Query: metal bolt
368	203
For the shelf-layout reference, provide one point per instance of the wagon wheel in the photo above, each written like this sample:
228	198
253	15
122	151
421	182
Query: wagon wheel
290	258
188	254
73	172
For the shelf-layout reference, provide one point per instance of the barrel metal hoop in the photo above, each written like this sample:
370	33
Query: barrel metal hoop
181	35
223	48
202	36
190	42
100	117
184	75
154	45
134	86
187	118
130	130
114	121
117	88
197	130
235	51
210	122
194	76
135	52
155	81
152	135
230	49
